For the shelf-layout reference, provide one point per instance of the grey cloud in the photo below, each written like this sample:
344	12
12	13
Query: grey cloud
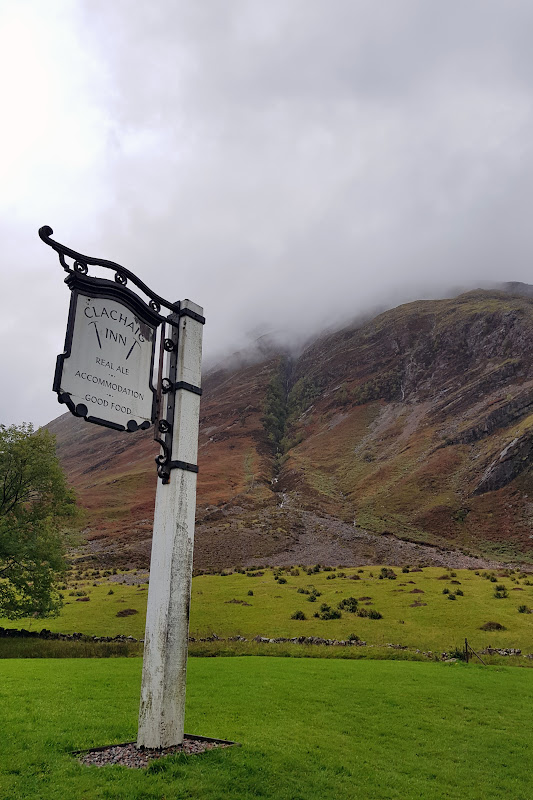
291	164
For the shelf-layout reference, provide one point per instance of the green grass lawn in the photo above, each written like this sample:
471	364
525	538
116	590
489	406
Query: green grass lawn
438	625
309	728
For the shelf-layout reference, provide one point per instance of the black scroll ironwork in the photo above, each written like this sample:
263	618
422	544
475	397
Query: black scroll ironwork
168	386
80	282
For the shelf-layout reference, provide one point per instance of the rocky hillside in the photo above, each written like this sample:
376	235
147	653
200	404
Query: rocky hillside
413	429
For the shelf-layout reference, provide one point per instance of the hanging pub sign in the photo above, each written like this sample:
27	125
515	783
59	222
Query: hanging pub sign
105	373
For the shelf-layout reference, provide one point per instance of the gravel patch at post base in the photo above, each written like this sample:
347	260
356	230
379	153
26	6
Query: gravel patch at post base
128	755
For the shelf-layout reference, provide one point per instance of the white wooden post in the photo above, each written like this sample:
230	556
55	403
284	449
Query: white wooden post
162	707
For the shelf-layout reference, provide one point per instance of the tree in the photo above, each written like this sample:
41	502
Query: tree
35	504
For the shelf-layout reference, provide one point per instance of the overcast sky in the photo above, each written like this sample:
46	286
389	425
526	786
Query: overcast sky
283	163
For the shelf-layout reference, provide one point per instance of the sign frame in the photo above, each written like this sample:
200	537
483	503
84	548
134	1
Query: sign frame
99	288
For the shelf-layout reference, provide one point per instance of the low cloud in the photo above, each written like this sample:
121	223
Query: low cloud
285	165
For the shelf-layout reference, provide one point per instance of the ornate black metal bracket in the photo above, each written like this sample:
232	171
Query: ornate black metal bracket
168	387
81	264
78	279
164	462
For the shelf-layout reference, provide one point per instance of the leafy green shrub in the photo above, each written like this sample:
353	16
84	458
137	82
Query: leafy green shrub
348	604
523	609
405	569
500	592
250	593
301	590
311	598
370	613
295	572
387	573
445	590
459	593
451	596
298	615
326	612
331	577
353	638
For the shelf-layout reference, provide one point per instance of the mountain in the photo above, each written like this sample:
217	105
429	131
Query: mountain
397	439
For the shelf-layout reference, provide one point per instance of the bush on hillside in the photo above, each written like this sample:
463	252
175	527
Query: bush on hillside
500	592
348	604
387	573
492	626
298	615
326	612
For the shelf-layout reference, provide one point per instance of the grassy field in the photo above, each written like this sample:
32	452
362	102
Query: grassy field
308	728
415	612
